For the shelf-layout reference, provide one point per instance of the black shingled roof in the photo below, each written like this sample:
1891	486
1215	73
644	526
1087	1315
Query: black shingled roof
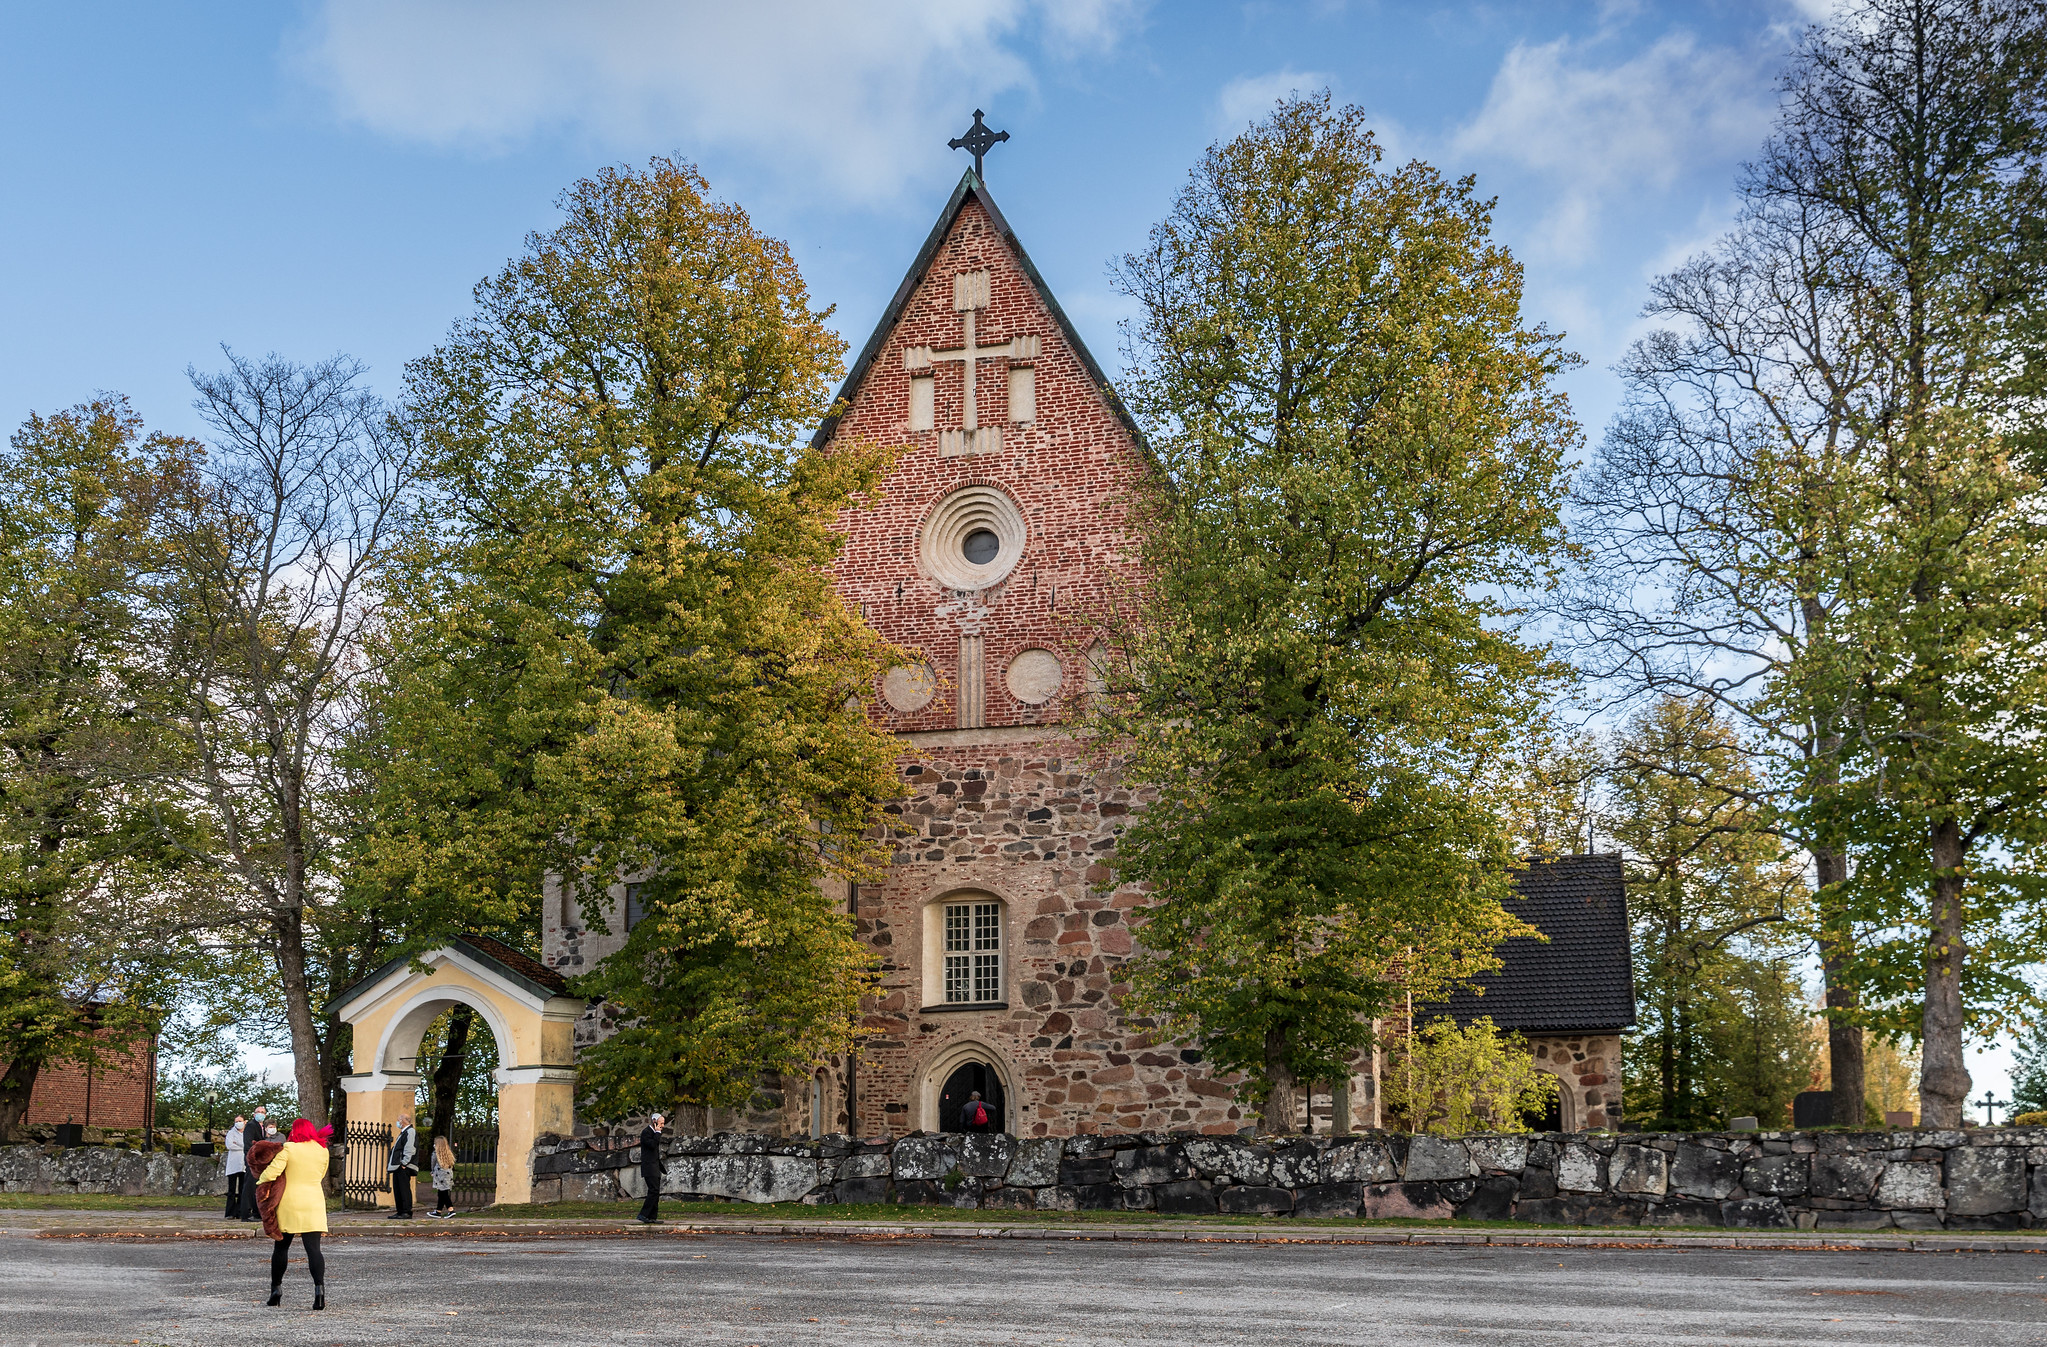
1580	981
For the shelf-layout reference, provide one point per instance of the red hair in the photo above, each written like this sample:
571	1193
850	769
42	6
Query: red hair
303	1130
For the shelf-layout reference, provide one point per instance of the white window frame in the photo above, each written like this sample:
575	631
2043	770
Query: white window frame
966	951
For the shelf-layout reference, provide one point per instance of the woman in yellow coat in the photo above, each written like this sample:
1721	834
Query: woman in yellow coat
302	1210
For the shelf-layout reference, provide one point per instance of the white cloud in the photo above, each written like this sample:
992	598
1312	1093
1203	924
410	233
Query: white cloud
823	87
1250	97
1596	133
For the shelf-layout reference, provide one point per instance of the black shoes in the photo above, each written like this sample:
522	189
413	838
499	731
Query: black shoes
319	1296
276	1295
399	1216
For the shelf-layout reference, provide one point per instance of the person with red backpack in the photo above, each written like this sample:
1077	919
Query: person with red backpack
976	1116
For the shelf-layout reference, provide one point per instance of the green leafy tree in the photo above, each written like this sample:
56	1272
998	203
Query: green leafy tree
617	648
457	1063
1550	779
182	1104
95	921
1711	894
1790	444
1759	1050
1919	129
2029	1071
1357	443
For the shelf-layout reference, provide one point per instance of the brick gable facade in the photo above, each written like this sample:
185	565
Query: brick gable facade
1006	808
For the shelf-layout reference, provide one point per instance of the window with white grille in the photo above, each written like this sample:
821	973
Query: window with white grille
973	952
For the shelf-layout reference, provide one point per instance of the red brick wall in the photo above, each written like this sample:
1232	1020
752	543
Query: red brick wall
113	1094
1067	472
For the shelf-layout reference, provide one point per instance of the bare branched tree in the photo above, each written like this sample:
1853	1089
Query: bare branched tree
265	638
1717	546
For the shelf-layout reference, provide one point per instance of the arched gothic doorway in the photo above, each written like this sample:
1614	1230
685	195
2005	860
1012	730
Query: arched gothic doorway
957	1093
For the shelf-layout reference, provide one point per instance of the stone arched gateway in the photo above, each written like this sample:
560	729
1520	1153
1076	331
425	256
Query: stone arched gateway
529	1011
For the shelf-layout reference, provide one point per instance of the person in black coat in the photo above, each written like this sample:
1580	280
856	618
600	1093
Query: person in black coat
650	1168
403	1164
256	1129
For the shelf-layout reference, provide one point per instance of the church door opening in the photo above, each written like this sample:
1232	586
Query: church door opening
960	1086
1546	1117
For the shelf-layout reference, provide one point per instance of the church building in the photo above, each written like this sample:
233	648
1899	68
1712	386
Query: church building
1000	948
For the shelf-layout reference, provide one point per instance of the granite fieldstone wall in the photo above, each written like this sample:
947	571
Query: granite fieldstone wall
105	1169
1987	1179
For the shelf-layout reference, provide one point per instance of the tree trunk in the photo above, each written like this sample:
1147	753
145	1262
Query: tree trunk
288	931
17	1086
1283	1103
448	1072
1844	1039
1339	1106
1943	1075
1667	1043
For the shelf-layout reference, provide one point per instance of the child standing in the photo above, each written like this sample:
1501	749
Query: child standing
444	1178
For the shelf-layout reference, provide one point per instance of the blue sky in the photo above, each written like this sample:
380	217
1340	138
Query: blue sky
334	176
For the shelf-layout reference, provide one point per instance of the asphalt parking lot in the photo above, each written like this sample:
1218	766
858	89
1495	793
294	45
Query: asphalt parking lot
751	1290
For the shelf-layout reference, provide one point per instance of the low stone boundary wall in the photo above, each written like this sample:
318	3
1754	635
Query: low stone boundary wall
107	1169
1988	1179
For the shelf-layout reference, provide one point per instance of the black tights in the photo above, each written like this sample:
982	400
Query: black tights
316	1262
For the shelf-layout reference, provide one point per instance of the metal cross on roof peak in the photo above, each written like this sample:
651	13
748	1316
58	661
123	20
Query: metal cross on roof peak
978	140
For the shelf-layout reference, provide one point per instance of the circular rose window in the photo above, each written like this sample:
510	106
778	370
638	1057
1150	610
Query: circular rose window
972	538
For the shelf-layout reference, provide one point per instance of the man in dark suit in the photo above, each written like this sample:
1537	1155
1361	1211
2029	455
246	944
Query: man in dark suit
650	1168
403	1164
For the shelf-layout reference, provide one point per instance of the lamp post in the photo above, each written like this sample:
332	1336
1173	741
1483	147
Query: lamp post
1990	1103
212	1097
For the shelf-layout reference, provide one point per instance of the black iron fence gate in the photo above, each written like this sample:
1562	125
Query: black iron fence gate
367	1151
476	1165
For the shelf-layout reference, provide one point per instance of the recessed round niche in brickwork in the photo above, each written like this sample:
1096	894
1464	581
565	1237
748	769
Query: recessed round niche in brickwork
1034	676
972	538
909	687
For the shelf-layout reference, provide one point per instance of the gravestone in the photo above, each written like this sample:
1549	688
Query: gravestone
1813	1108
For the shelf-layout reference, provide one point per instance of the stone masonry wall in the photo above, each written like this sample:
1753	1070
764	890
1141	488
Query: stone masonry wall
1988	1179
1589	1065
1030	824
105	1169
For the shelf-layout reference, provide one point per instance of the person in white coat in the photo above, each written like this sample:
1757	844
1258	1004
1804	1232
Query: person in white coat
237	1140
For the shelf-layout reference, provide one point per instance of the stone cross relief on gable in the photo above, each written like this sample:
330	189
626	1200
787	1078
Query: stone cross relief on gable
970	295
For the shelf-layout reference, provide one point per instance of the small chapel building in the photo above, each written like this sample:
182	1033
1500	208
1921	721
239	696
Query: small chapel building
1000	948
